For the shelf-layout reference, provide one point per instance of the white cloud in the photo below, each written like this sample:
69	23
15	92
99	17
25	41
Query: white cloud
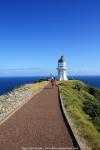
46	71
27	72
84	71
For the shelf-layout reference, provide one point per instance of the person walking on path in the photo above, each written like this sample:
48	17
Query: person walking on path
53	82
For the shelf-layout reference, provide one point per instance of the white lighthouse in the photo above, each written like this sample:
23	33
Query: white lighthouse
62	69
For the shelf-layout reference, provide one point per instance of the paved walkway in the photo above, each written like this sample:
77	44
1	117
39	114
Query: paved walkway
39	123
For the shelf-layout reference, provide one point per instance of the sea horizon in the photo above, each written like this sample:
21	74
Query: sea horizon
8	83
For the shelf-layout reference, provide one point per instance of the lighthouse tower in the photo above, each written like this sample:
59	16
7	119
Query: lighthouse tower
62	74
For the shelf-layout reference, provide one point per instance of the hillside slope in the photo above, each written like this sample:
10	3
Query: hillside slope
13	100
82	104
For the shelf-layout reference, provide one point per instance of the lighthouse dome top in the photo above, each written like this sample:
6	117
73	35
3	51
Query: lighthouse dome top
61	60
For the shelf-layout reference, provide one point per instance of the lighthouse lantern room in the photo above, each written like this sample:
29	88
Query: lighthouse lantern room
62	69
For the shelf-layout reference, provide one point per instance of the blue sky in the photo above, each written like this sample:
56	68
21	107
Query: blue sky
35	33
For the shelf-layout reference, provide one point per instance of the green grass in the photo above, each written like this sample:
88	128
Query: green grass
75	96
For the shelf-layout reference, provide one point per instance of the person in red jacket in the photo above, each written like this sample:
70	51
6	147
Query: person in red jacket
53	82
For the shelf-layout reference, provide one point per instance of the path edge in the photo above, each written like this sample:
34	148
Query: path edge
12	113
76	138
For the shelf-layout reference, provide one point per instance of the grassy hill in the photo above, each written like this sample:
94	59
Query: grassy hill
82	104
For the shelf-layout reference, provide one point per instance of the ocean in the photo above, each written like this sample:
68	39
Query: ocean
90	80
9	83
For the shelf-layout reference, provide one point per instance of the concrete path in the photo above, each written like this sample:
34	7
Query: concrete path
38	124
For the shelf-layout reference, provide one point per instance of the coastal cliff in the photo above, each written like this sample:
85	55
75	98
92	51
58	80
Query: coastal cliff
10	102
82	105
